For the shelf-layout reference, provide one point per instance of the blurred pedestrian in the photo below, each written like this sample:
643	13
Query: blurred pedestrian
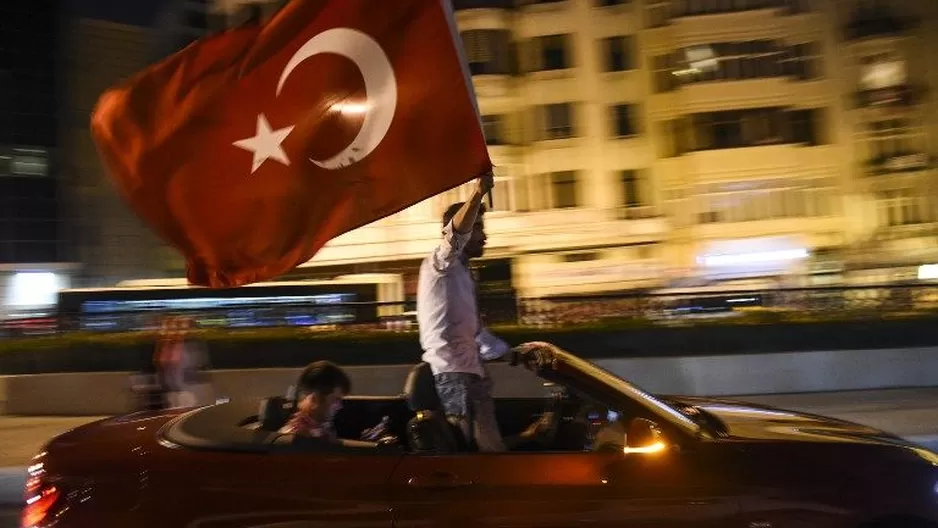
181	364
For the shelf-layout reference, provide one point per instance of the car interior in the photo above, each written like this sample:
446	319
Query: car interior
413	422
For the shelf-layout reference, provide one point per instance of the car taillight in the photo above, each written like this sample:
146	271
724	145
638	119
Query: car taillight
42	499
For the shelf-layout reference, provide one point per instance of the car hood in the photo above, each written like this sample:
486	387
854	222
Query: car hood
743	420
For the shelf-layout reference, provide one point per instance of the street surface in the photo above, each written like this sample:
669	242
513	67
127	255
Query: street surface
909	413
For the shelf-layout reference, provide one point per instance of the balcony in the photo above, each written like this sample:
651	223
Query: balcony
768	160
732	95
553	229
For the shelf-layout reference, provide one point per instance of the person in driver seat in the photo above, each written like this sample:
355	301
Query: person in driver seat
320	391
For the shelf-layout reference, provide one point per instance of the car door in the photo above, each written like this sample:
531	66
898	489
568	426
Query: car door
286	490
562	490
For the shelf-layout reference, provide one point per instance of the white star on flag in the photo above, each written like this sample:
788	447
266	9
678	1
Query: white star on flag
266	143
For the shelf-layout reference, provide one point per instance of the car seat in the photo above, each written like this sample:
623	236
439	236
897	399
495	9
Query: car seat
429	431
274	413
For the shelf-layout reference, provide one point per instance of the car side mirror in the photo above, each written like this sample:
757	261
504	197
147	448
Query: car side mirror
644	436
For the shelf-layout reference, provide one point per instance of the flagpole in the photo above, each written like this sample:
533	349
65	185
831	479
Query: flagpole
464	63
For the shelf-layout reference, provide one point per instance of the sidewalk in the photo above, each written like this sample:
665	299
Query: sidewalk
909	413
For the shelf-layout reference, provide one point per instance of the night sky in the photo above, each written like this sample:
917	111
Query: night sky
134	12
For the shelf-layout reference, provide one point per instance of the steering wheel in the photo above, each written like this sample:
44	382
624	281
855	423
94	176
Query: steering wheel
551	417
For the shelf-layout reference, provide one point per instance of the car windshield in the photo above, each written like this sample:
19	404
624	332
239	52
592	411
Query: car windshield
672	415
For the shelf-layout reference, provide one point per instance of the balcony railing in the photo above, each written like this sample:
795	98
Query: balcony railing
904	162
896	96
642	212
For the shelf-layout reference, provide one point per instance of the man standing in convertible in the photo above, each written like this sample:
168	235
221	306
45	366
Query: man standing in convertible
454	341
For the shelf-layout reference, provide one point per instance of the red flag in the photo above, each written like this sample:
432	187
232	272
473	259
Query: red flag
251	149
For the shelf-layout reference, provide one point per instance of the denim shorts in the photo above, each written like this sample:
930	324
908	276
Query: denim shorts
467	400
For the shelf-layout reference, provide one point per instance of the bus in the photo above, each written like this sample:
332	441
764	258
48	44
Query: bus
138	305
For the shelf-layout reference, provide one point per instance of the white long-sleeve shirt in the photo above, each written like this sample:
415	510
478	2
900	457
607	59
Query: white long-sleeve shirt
451	333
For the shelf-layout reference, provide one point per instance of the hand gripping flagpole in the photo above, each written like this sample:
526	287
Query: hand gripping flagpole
464	63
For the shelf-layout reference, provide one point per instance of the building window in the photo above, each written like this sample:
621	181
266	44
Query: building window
581	256
803	61
728	129
903	207
493	128
738	61
488	51
894	145
751	127
808	126
771	199
618	53
564	190
657	13
552	52
503	195
557	121
625	120
631	193
664	71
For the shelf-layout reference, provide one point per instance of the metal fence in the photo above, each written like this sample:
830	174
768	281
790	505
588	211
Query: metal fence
858	301
674	307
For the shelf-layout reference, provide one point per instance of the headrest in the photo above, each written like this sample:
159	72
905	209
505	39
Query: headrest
420	389
274	413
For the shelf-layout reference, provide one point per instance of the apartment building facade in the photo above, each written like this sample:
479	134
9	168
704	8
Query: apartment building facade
648	143
644	144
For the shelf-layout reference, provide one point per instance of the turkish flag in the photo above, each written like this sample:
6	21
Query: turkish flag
249	150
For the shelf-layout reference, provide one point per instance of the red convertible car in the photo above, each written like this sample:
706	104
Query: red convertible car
613	456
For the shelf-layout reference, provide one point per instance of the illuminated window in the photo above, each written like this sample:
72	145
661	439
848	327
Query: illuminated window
34	289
